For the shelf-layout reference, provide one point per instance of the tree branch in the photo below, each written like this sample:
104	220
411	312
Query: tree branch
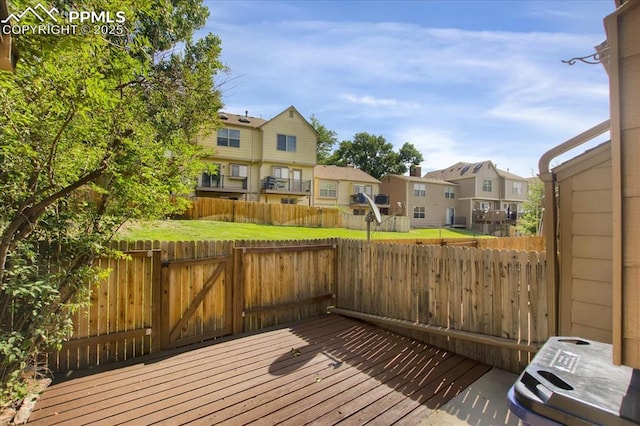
56	141
23	220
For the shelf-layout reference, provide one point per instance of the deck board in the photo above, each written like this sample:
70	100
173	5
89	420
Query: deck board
325	371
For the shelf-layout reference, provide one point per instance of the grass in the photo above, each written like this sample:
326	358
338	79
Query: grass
191	230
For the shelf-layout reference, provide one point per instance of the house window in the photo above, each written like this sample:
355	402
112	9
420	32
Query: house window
419	212
485	205
420	189
288	201
486	185
328	189
367	189
281	172
238	170
449	192
516	188
229	137
286	143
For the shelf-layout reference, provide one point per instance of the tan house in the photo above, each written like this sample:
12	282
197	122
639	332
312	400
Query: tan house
426	202
484	193
336	186
261	160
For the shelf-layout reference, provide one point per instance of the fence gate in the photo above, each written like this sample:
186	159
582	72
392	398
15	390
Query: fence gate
195	300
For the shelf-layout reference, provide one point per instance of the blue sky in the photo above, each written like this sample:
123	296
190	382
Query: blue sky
461	80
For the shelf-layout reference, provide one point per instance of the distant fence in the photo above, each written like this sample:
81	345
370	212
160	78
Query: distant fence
263	213
286	214
482	303
534	243
487	304
389	223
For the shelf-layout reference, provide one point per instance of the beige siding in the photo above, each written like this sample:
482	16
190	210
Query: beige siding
294	125
487	173
254	182
623	30
321	201
344	191
401	189
434	203
586	266
466	188
249	145
512	196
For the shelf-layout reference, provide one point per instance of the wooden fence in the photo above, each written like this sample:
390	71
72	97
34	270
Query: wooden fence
263	213
117	323
485	304
389	223
534	243
172	294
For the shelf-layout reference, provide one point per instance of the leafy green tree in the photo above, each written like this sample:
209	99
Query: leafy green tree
410	156
529	222
94	130
374	155
327	139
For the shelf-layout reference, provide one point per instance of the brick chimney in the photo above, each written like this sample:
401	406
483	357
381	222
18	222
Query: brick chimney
415	171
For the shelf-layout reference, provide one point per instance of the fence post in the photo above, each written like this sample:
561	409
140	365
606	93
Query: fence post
156	302
238	289
165	296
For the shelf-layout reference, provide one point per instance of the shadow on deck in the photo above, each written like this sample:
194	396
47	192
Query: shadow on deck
325	371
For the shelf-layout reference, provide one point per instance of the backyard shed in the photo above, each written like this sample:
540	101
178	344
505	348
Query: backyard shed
585	242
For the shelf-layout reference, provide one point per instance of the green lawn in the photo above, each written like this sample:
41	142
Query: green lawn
185	230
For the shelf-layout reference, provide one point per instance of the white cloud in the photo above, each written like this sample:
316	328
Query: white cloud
457	95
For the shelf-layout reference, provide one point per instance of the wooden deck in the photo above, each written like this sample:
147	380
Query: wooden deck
325	371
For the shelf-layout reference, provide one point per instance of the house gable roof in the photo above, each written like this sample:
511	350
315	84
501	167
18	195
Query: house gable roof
246	120
286	111
419	179
343	173
463	170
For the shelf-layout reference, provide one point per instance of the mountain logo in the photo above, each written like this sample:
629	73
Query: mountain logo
34	11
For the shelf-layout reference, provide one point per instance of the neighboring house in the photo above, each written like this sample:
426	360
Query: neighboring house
485	194
336	186
426	202
261	160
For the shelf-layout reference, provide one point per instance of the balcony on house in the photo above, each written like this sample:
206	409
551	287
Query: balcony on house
222	183
381	200
495	216
273	184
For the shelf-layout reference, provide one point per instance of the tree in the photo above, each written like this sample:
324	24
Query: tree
95	130
410	156
529	222
326	140
375	156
